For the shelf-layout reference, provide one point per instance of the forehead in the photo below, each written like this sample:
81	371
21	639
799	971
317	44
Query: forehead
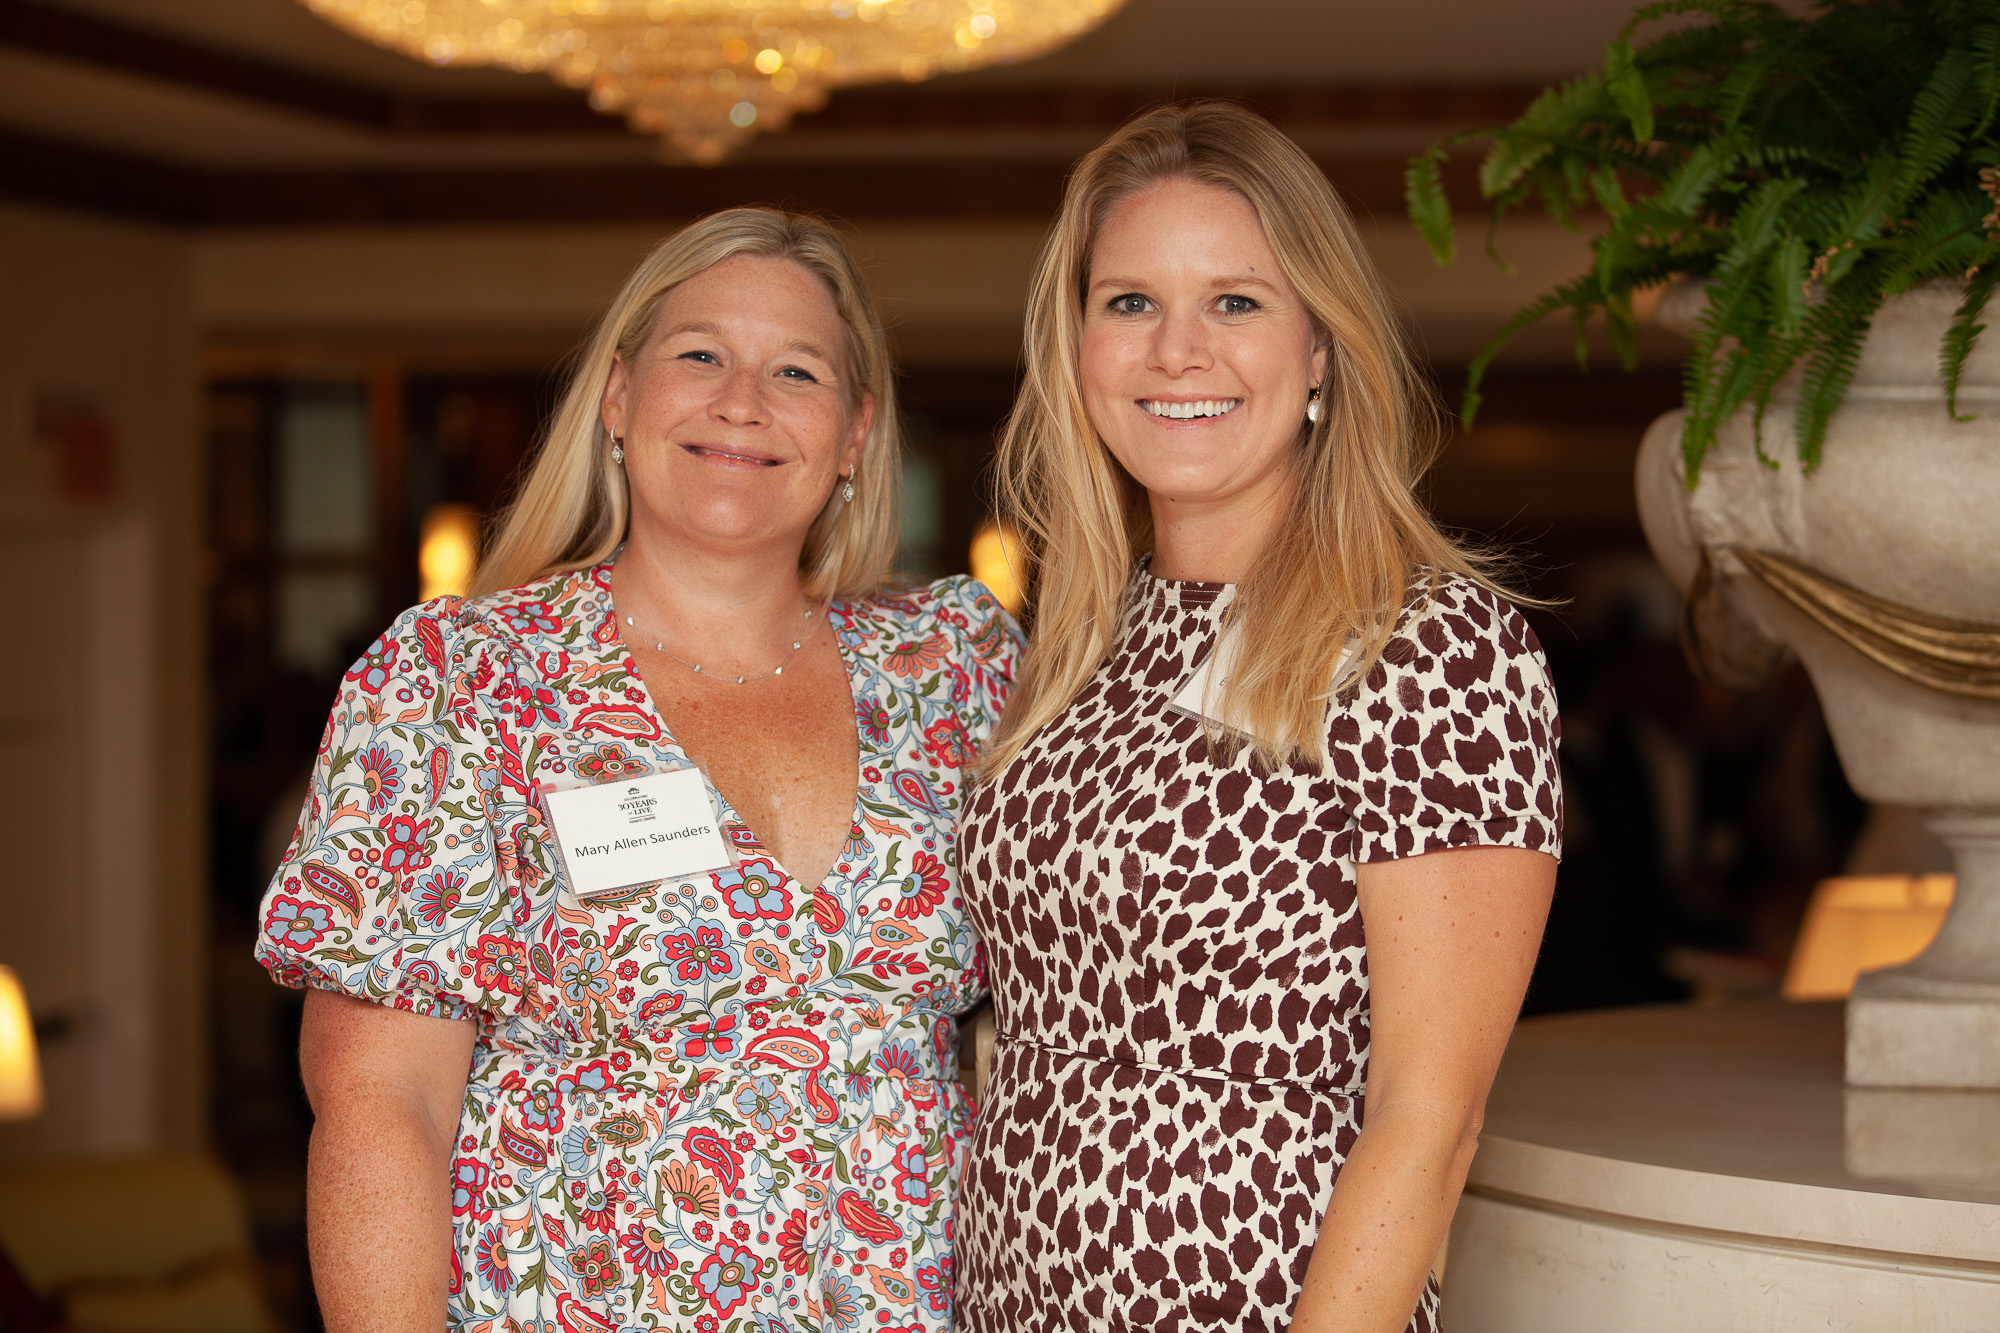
1183	228
757	297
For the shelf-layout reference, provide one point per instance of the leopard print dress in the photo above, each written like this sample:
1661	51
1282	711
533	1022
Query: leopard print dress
1178	964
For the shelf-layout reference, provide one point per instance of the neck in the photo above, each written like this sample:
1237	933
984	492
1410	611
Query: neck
1215	541
736	607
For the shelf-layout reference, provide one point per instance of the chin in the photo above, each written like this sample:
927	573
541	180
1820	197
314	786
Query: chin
733	520
1189	485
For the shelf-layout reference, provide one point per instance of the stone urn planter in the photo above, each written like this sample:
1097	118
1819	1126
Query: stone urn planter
1881	571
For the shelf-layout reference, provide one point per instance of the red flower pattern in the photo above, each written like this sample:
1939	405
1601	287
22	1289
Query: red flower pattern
435	875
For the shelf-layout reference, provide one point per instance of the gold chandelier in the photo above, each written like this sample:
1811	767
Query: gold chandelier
708	74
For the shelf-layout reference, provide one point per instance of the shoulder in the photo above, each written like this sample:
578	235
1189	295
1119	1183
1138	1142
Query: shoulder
953	631
1457	644
1452	619
959	610
553	611
1451	740
451	632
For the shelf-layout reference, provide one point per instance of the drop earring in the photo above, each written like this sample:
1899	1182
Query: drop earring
1312	405
847	488
617	451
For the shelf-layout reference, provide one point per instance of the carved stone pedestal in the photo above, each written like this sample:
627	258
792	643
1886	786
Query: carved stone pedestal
1703	1170
1902	517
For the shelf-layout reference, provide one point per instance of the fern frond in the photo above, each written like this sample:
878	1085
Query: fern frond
1623	328
1627	87
1610	195
1430	207
1533	313
1789	257
1945	237
1986	65
1866	212
1685	190
1963	335
1836	331
1806	161
1556	113
1934	132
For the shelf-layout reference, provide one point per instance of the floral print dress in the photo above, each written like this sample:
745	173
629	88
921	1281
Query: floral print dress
723	1103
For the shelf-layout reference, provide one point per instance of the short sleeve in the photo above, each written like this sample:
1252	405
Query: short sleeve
991	647
400	884
1451	739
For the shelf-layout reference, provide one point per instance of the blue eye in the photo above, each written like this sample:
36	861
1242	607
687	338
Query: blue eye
800	374
1131	303
1236	305
707	358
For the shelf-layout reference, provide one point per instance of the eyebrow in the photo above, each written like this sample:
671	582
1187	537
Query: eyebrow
1219	284
703	326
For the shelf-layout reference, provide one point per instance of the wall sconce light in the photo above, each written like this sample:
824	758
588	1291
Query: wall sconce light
20	1070
448	551
1856	923
995	547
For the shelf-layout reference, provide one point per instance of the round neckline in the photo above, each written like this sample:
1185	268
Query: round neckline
1187	592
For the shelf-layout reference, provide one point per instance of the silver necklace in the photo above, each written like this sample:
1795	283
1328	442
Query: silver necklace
696	667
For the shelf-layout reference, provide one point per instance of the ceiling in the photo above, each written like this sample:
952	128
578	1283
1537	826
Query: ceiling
256	112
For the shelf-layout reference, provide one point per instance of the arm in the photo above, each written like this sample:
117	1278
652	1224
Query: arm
1452	938
385	1087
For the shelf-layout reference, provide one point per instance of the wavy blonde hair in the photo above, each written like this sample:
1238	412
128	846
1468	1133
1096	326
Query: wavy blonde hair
1342	562
572	510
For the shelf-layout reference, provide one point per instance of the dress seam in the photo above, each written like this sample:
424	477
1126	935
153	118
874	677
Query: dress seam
1214	1075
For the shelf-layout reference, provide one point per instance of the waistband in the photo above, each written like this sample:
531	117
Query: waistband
1177	1071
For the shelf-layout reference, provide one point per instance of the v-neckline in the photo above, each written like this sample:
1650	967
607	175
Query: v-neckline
623	652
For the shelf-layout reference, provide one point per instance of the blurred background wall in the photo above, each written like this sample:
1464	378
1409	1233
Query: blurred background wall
275	305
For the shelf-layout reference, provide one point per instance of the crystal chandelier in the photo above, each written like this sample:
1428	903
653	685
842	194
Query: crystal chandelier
708	74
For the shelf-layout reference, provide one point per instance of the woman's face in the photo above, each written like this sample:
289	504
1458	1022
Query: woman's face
734	414
1198	355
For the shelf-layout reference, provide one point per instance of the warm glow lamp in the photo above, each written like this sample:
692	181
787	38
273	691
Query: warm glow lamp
991	557
1856	923
448	551
20	1071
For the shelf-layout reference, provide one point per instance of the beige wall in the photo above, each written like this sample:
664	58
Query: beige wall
951	291
101	728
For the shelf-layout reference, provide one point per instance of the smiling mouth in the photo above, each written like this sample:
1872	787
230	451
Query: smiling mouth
1201	407
725	456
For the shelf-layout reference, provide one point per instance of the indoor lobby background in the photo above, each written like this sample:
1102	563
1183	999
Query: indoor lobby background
281	312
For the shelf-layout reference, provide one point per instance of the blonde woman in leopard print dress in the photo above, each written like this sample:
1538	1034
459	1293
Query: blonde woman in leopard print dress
1271	825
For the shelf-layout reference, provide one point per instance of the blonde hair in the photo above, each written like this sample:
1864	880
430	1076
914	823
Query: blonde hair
571	511
1340	565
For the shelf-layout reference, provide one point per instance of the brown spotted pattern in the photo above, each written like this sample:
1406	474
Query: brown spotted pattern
1179	970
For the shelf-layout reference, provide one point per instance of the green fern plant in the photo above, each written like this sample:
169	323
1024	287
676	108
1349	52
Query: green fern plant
1807	167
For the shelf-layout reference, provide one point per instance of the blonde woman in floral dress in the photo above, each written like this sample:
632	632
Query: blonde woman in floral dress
723	1100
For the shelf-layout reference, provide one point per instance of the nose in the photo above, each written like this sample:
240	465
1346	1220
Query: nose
1180	343
740	399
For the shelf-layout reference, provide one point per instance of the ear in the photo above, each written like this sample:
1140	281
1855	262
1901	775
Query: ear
857	433
611	408
1322	351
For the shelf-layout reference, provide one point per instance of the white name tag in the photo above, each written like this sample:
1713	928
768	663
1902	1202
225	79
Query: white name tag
618	834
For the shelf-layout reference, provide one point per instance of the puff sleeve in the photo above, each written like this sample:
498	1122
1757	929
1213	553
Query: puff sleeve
990	647
1451	739
402	883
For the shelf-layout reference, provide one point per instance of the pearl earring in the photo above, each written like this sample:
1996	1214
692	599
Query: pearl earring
1312	406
